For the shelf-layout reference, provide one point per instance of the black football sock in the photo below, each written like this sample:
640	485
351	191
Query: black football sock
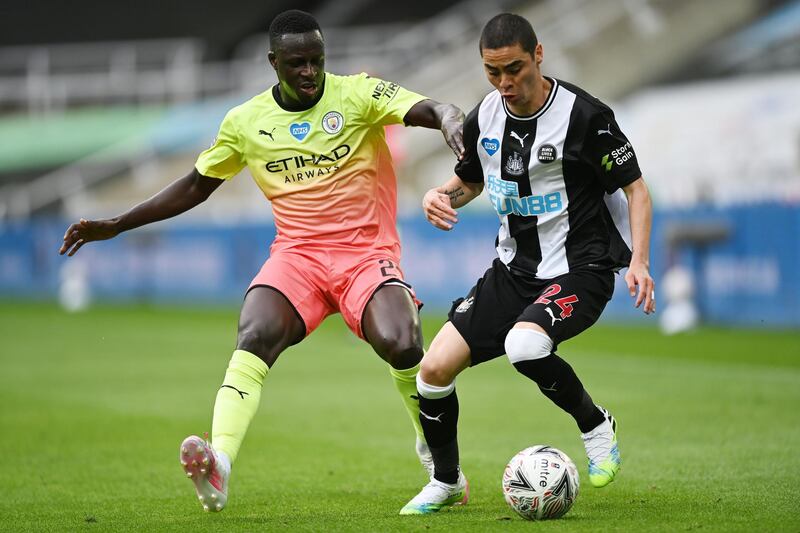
439	419
558	381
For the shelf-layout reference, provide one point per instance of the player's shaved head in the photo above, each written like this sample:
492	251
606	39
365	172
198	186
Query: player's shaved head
297	53
507	29
289	22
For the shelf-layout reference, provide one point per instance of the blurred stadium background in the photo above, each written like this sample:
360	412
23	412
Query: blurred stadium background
103	104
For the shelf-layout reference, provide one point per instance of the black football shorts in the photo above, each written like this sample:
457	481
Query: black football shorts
563	306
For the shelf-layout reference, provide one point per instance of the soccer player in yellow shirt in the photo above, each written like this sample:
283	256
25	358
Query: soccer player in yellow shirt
315	145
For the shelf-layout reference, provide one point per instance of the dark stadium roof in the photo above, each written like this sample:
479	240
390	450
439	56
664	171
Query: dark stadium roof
221	25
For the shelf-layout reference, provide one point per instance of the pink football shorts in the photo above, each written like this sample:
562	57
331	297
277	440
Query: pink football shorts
322	281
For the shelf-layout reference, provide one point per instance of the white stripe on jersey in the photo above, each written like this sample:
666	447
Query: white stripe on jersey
492	125
548	179
617	204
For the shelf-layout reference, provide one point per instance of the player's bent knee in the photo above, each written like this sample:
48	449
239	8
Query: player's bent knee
401	349
436	372
524	344
262	342
434	392
403	357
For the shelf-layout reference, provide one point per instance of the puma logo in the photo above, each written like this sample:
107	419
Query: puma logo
551	388
241	393
414	397
436	418
550	312
262	132
607	130
520	139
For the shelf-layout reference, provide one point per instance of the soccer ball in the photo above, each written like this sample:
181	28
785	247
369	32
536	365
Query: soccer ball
540	482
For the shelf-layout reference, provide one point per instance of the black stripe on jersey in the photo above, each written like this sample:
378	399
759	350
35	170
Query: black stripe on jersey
593	240
587	236
469	168
516	153
518	138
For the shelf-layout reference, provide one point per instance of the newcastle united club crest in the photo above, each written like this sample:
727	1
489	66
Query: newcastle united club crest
515	165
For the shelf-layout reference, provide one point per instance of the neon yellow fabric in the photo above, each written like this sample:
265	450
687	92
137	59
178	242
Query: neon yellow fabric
406	383
327	170
275	143
237	402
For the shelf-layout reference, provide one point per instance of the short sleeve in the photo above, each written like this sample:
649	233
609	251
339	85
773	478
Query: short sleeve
469	168
609	152
386	102
224	158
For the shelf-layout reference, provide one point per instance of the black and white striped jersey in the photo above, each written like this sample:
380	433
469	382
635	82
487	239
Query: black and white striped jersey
554	179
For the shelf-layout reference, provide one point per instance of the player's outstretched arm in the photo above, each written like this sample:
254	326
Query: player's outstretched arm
440	203
181	195
640	209
445	117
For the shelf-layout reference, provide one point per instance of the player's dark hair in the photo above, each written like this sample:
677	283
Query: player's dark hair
291	21
507	29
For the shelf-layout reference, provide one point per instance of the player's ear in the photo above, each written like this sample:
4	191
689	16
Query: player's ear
538	54
272	59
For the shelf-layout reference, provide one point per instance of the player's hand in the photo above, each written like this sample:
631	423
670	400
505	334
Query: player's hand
638	276
436	206
85	231
453	130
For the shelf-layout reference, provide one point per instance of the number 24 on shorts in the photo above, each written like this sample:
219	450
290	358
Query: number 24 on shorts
564	303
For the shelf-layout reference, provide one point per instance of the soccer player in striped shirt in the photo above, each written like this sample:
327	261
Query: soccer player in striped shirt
573	209
315	145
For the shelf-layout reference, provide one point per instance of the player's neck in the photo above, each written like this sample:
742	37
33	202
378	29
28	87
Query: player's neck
291	104
541	90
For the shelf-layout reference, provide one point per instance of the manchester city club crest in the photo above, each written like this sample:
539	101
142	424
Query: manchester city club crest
333	122
515	165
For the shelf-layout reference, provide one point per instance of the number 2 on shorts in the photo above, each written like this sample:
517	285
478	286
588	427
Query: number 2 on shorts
388	270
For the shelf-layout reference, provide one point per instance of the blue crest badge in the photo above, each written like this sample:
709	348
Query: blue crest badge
299	131
490	145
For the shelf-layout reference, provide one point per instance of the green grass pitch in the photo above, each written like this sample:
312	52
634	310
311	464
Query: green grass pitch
94	405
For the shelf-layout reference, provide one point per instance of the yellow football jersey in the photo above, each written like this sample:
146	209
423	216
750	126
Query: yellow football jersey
327	170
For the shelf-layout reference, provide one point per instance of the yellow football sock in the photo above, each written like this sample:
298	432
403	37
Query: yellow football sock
237	402
406	383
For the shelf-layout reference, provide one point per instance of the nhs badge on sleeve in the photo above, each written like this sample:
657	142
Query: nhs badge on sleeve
490	145
299	131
